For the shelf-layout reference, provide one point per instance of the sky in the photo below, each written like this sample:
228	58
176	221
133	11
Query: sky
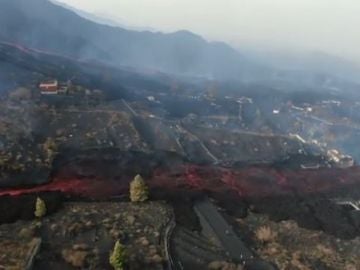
329	26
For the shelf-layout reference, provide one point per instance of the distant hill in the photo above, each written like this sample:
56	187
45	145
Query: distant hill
55	28
315	62
43	25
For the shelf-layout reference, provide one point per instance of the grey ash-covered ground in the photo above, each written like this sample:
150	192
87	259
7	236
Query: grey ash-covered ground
292	247
82	235
23	154
140	124
113	108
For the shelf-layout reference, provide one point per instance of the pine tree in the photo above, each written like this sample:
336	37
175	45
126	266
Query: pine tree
40	208
139	192
118	256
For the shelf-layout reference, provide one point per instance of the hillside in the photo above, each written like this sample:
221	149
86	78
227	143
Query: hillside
43	25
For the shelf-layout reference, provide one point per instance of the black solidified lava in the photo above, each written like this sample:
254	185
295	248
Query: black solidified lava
315	212
182	201
13	208
109	162
30	177
304	196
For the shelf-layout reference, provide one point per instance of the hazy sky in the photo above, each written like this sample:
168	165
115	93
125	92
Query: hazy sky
326	25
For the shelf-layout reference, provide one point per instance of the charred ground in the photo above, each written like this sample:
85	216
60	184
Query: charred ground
188	139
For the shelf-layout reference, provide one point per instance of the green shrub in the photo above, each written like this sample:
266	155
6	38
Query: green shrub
139	191
40	208
118	256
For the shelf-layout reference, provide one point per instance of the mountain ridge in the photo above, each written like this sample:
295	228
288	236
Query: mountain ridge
101	18
44	25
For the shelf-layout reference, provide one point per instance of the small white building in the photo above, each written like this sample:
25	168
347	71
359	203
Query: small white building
49	88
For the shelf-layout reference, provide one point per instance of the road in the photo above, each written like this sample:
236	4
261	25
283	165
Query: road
129	107
225	234
167	239
181	129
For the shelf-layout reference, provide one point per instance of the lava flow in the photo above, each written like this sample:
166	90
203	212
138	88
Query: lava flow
247	182
90	188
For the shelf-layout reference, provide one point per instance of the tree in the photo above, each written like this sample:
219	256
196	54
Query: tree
118	256
40	208
265	234
139	192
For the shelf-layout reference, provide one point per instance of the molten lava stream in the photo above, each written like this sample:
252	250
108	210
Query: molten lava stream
78	187
247	182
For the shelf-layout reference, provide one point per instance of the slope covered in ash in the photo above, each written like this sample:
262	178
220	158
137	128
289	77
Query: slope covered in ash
21	66
121	118
185	140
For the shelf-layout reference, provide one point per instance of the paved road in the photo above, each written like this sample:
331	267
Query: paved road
234	247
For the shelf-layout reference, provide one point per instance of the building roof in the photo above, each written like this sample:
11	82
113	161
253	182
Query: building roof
49	84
